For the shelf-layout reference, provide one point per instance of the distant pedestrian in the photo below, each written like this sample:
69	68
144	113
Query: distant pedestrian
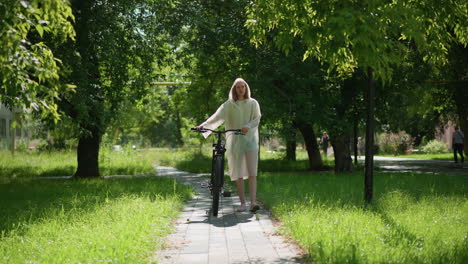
325	141
360	146
457	145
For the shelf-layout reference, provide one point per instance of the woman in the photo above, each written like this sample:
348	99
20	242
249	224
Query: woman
240	111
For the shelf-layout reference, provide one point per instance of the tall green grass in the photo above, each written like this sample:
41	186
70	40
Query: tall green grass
438	156
415	218
86	221
199	161
63	163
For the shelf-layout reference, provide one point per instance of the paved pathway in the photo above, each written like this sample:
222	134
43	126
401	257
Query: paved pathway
231	237
391	164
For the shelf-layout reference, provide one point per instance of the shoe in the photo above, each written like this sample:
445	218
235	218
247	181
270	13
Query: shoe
242	208
255	208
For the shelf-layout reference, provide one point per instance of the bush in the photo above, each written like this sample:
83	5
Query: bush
435	146
391	143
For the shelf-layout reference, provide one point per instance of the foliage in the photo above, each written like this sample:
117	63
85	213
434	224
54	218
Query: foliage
102	220
216	50
407	223
349	34
118	46
394	143
120	51
29	69
155	119
434	147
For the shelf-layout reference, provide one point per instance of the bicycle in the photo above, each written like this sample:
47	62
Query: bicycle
217	167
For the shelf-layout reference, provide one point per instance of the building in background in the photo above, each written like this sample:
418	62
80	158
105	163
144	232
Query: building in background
10	139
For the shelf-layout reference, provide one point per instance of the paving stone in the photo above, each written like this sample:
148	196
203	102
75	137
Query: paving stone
231	237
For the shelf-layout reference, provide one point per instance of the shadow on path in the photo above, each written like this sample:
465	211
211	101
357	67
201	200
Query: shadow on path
390	164
232	237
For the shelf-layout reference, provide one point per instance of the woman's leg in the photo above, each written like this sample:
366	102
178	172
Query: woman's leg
253	191
252	165
241	191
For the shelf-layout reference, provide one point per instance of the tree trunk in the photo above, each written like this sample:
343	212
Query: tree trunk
315	160
88	156
291	146
464	129
461	101
88	80
343	161
369	164
179	137
291	150
355	141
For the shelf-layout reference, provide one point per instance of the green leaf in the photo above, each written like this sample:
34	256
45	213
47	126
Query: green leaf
40	30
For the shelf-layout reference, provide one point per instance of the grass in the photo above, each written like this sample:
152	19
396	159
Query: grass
199	161
86	221
121	220
416	218
42	164
439	156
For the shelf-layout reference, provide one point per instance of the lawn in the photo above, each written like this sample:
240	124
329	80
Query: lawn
121	220
199	161
63	163
415	218
438	156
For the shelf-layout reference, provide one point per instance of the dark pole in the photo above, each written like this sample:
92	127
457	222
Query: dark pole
369	164
355	142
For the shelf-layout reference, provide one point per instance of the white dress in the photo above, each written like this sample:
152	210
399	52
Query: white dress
241	150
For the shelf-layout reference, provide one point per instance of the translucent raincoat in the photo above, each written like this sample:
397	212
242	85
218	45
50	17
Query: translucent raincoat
236	115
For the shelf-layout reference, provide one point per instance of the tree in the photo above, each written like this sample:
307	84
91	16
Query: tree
452	93
29	70
292	97
111	62
220	50
369	35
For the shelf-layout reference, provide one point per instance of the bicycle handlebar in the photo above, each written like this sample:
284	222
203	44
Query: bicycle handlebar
216	131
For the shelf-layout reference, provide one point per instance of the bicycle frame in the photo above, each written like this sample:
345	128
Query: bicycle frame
218	153
217	167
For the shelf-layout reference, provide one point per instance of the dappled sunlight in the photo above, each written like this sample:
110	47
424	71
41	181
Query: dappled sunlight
406	223
122	218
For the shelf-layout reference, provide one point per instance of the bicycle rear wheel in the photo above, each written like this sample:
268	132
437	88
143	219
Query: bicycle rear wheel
217	183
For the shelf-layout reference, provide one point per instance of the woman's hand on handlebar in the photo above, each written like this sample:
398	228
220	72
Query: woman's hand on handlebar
244	130
198	127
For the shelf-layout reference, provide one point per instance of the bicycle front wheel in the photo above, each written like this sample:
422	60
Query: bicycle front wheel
217	183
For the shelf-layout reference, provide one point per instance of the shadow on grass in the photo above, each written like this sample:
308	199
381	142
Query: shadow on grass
328	188
201	163
402	201
195	162
25	171
26	201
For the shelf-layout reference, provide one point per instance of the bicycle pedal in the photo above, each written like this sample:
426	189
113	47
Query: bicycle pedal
226	194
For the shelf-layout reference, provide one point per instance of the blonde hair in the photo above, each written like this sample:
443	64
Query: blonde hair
233	93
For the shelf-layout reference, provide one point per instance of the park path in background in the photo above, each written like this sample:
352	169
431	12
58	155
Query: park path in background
391	164
232	237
